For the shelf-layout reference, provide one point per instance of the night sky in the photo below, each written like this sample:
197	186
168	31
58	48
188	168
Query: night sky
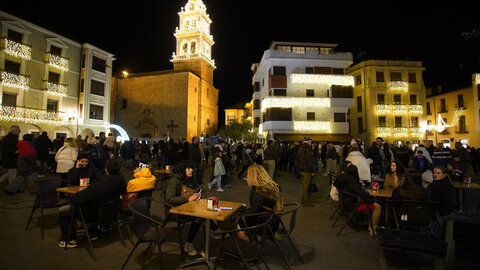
445	36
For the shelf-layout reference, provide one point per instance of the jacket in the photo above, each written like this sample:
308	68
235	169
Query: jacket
9	146
348	184
219	168
443	192
248	157
143	180
90	172
305	158
194	154
42	144
27	158
359	160
173	194
390	183
66	157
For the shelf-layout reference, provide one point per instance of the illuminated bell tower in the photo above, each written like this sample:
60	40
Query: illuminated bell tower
194	42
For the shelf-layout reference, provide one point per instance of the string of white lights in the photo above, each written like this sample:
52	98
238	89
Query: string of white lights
292	102
398	85
315	126
15	80
18	50
32	116
324	79
56	89
58	62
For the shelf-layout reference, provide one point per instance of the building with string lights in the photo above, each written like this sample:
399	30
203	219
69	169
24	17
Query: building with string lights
51	83
454	116
301	90
389	98
182	102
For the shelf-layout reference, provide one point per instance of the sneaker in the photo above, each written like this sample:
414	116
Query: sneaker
72	244
245	179
190	249
62	244
220	190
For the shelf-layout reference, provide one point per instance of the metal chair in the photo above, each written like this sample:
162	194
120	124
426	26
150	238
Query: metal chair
47	197
240	249
346	211
410	214
125	212
149	229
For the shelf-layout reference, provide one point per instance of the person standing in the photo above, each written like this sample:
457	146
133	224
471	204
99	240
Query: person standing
332	157
42	145
10	154
323	155
218	171
270	156
461	156
305	167
66	157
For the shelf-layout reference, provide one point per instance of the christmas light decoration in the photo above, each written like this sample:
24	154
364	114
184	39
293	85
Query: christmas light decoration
325	79
58	62
383	108
477	78
56	89
315	126
292	102
416	132
441	125
31	116
17	49
400	131
384	131
415	109
399	109
18	81
399	85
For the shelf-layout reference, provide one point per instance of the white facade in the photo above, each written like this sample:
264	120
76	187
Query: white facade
301	88
46	81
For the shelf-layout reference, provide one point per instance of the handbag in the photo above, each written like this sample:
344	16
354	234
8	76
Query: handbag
187	192
312	187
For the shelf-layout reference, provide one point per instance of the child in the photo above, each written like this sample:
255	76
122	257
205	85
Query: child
420	161
143	180
218	171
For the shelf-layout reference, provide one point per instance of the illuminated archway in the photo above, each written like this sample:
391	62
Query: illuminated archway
122	131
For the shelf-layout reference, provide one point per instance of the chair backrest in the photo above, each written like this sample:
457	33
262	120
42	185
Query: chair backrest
108	210
292	212
143	219
47	192
259	228
413	213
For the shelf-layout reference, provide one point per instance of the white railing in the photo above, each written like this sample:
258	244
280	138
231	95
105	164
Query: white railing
294	102
324	79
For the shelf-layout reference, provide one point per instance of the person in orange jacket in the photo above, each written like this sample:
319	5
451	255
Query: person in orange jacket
143	180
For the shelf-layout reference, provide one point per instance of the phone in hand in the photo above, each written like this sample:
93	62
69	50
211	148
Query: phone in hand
199	190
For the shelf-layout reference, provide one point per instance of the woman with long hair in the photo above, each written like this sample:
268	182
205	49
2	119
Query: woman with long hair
395	175
411	189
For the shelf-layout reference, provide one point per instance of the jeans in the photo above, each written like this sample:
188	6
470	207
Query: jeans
218	180
65	214
11	174
31	179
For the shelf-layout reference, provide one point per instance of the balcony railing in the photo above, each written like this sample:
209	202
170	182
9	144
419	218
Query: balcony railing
292	102
323	79
56	89
383	108
58	62
398	85
416	132
384	131
31	115
400	131
16	49
415	109
399	109
18	81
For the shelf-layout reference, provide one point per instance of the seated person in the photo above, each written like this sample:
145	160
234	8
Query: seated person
143	180
443	192
395	176
111	184
350	182
82	169
182	176
411	189
427	176
454	172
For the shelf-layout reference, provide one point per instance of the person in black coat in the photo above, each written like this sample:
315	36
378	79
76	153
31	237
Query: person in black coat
443	192
110	185
83	169
42	145
9	154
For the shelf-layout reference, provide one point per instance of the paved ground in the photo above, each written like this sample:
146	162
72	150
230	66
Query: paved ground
314	237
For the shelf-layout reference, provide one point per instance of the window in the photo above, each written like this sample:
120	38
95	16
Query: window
358	80
429	112
256	104
339	91
315	49
380	98
339	117
53	77
55	50
256	86
256	122
81	111
97	88
82	85
443	107
397	99
413	99
310	93
52	105
414	121
96	112
359	104
462	128
279	71
398	121
338	71
9	99
278	114
460	102
360	124
12	67
310	116
309	70
99	64
412	77
395	76
298	49
124	104
380	76
83	60
382	121
284	48
14	36
280	92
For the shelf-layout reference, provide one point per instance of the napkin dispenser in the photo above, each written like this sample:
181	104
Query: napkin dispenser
212	203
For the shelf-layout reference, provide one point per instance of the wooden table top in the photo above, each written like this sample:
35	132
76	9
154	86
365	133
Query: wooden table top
463	185
378	180
163	171
71	189
387	193
199	209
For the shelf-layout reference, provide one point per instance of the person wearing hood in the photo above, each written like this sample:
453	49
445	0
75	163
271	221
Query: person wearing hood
143	180
362	164
110	185
27	164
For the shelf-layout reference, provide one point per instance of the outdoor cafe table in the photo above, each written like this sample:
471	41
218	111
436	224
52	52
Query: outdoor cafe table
71	189
462	195
199	209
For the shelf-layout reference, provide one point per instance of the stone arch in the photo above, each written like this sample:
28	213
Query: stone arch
63	131
184	47
87	132
193	46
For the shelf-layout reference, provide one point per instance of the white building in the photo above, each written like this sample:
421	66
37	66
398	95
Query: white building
300	89
51	83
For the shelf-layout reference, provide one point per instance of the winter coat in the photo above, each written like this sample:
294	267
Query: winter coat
348	184
305	158
42	145
359	160
390	182
9	146
219	168
143	180
90	172
194	154
443	192
66	157
173	194
27	158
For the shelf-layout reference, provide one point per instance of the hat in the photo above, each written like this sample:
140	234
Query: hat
353	141
142	166
307	139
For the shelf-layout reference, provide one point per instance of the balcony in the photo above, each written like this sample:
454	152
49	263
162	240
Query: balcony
399	109
58	62
56	89
383	108
384	131
400	131
415	109
416	132
306	126
16	49
323	79
17	81
31	115
461	129
398	85
293	102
